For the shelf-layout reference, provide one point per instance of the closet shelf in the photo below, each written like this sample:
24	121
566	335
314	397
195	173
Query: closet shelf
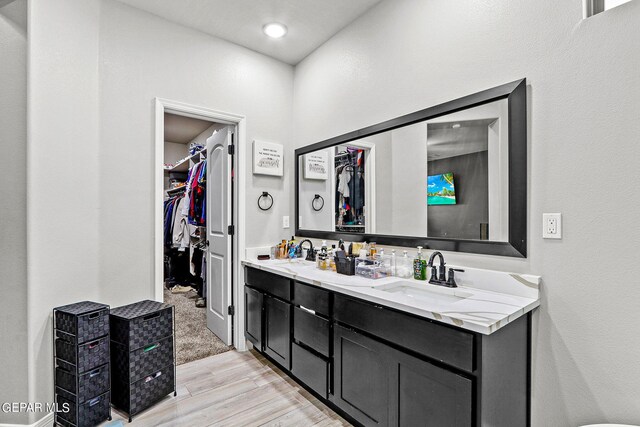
183	165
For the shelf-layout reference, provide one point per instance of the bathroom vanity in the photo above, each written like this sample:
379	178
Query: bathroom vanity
394	351
398	352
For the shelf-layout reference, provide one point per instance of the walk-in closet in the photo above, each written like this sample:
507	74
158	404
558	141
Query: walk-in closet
185	233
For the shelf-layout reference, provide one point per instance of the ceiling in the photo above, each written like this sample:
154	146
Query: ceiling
16	11
310	22
445	141
183	129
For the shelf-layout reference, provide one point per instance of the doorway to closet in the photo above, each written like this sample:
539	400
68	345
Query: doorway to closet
197	270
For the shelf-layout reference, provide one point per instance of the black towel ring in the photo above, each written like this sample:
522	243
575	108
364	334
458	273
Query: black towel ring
313	203
263	195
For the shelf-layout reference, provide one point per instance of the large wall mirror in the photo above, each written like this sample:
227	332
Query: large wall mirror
450	177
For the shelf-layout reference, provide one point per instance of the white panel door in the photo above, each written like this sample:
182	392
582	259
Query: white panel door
218	220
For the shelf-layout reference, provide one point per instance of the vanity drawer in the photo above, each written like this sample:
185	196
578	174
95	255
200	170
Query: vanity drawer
311	330
441	342
310	369
311	297
270	283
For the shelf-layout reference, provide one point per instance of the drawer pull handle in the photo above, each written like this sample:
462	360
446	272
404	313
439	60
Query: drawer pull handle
94	373
308	310
95	401
93	345
150	316
94	315
151	347
152	377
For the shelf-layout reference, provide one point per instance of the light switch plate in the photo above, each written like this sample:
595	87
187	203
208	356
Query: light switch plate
552	225
285	221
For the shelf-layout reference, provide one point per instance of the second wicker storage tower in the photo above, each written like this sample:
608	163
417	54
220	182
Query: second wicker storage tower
81	358
142	355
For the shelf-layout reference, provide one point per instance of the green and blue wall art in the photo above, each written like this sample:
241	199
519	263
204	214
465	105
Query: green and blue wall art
441	190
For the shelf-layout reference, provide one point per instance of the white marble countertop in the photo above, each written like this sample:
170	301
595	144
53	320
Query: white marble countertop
484	300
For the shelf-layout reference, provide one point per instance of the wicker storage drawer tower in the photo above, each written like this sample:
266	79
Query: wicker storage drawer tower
142	355
81	358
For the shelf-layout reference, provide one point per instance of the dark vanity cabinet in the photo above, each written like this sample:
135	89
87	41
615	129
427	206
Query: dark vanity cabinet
382	367
377	384
312	344
268	314
253	301
277	330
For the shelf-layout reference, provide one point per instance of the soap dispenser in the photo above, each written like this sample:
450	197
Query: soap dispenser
420	266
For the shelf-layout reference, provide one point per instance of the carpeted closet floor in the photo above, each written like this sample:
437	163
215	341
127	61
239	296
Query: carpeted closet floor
193	339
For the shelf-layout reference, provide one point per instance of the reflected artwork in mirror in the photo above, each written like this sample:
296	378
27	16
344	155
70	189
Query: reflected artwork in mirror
450	177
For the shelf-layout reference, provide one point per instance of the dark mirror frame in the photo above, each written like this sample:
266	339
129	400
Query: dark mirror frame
516	94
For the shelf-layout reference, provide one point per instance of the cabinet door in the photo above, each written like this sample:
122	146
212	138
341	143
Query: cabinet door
362	377
426	395
253	316
277	331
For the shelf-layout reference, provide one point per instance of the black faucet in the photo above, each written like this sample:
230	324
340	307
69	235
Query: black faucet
311	256
438	277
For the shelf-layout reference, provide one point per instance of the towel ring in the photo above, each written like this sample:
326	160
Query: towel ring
265	194
313	203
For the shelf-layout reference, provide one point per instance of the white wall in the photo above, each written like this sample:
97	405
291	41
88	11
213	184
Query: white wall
13	228
405	55
62	168
95	68
174	151
142	57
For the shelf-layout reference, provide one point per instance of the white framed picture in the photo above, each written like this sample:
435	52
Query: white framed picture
316	165
267	158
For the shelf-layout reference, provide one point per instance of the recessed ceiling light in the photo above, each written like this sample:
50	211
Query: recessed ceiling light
275	30
456	126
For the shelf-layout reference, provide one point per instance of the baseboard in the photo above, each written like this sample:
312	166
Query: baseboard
47	420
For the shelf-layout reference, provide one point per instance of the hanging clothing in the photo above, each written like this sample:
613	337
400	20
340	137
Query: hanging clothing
343	181
197	194
170	214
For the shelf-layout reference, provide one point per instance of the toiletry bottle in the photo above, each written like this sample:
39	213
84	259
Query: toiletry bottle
419	266
322	256
355	249
364	250
407	265
332	259
372	249
393	262
384	261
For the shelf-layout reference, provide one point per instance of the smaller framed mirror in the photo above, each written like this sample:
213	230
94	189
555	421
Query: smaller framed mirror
450	177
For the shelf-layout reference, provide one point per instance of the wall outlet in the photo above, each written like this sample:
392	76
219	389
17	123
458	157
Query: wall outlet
552	226
285	221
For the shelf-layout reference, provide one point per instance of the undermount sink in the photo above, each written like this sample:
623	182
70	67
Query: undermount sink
427	293
298	263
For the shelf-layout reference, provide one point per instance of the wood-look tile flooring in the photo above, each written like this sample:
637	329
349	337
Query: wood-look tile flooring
236	389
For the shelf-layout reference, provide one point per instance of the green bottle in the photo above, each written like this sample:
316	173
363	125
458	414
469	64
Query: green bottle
420	266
